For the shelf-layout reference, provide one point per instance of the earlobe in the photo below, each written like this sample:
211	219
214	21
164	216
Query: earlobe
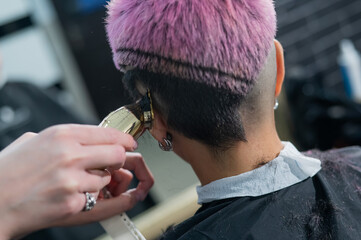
159	127
280	67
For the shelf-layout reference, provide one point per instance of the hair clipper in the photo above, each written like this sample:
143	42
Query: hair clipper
133	119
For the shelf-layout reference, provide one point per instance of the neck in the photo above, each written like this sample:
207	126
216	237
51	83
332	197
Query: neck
262	146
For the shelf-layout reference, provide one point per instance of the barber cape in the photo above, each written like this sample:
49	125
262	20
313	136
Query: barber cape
290	197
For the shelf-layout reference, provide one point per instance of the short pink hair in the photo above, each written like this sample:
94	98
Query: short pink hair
220	43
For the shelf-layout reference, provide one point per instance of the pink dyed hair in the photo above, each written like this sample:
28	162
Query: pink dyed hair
221	43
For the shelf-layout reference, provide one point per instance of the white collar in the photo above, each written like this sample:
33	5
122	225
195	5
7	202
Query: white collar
289	168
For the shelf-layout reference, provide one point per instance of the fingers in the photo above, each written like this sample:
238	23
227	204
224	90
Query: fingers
93	180
122	201
116	205
120	181
92	135
68	205
104	156
97	147
115	156
102	210
135	163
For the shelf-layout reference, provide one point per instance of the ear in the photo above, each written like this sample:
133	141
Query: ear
280	67
159	127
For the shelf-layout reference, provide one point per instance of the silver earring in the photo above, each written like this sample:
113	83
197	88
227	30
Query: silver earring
168	146
276	104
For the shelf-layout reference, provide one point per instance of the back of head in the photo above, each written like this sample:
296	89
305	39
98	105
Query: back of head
201	59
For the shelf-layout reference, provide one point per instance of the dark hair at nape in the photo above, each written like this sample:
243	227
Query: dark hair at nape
208	114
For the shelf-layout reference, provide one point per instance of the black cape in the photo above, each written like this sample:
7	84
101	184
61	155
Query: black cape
326	206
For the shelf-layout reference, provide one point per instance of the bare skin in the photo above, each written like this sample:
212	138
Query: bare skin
43	177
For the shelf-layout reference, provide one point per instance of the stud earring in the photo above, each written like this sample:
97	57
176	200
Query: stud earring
167	146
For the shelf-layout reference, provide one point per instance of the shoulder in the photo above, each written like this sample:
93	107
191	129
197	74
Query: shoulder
197	227
346	155
271	216
342	162
341	170
338	187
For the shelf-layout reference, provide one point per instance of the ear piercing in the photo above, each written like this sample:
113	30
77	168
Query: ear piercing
276	104
166	145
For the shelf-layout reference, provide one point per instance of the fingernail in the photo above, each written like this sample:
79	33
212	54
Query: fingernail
135	145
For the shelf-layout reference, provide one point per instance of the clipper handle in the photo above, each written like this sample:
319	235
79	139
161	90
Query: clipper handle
120	227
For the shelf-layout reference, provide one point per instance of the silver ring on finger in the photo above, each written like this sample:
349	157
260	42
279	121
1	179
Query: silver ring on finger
90	202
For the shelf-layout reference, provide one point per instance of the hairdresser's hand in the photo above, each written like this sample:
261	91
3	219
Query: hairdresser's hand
43	176
122	199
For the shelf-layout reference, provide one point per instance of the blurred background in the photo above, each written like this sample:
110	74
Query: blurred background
56	67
